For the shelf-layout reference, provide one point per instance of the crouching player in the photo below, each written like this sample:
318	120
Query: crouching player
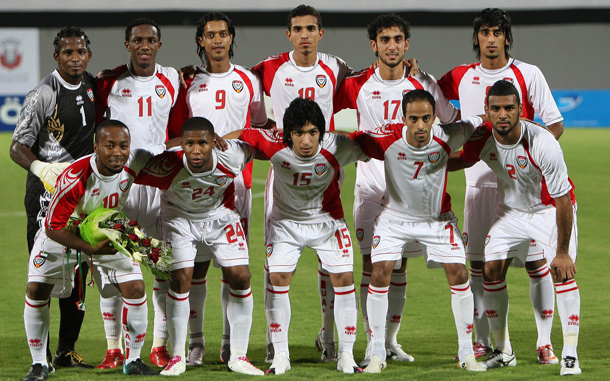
102	179
418	209
199	218
535	202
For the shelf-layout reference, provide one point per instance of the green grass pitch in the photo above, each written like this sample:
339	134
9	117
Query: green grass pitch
427	332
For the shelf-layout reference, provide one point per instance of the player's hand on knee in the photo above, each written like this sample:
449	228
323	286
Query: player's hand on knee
563	268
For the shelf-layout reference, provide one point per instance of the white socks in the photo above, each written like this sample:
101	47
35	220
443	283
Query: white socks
568	305
37	319
543	302
135	321
496	307
177	312
364	293
377	309
462	306
346	316
160	289
111	310
197	296
327	300
397	298
481	324
277	309
239	314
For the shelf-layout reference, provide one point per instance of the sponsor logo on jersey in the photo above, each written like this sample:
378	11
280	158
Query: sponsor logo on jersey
493	157
203	87
359	234
221	180
40	259
124	185
79	100
522	162
126	93
10	54
321	80
508	79
90	95
434	156
289	82
275	327
238	86
350	330
533	243
95	192
320	169
376	240
186	185
476	80
573	320
376	94
269	250
546	314
160	90
285	164
465	238
401	156
487	240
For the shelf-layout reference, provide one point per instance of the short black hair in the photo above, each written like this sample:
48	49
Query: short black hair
417	96
70	31
301	112
491	17
108	123
138	22
503	88
304	10
386	21
197	123
213	16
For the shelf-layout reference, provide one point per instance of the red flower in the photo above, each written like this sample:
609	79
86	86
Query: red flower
119	226
132	223
146	242
156	250
76	222
153	257
133	237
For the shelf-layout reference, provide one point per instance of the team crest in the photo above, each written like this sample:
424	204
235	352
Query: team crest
321	80
269	250
124	185
90	95
320	169
10	54
160	90
40	259
221	180
238	86
376	240
522	162
359	234
465	238
434	156
487	240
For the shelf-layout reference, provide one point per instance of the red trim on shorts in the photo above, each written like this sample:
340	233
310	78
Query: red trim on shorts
240	296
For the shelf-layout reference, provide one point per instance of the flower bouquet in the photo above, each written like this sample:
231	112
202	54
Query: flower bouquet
127	238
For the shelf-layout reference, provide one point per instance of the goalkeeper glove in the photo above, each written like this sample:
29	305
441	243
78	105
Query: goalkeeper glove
48	173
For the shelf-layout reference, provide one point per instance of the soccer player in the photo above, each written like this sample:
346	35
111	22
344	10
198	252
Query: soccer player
231	98
492	39
307	212
102	179
418	209
141	95
535	202
55	127
377	94
305	73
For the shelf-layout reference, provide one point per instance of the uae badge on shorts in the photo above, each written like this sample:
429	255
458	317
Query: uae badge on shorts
321	80
40	259
160	90
238	86
376	240
269	250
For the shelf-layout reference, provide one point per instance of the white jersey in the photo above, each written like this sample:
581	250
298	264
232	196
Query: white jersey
284	81
531	173
416	177
81	189
379	102
142	103
197	196
305	190
470	84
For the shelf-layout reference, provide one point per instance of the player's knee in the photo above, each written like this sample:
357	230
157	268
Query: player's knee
133	289
492	271
38	291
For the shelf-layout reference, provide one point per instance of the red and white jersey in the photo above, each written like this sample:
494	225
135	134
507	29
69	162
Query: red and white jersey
470	84
530	173
197	196
231	101
142	103
305	189
81	189
416	177
284	81
379	102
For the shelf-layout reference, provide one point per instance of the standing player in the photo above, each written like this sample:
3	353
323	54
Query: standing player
377	94
307	212
536	202
418	209
492	38
200	219
102	179
305	73
230	96
141	95
54	128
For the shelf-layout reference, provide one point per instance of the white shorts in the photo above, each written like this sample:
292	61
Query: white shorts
441	240
50	264
479	206
331	241
513	234
243	204
365	213
144	206
223	240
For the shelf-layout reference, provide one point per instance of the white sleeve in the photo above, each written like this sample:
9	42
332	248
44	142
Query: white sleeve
258	112
541	98
552	165
445	111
